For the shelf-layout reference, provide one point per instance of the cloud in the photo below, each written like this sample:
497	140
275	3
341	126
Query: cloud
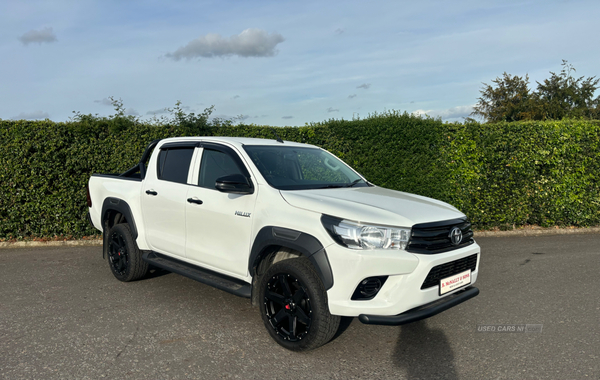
331	109
157	112
131	112
32	115
456	112
221	117
351	96
364	85
104	102
421	112
249	43
287	117
38	36
450	113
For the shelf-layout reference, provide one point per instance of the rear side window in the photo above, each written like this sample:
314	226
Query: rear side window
174	164
216	164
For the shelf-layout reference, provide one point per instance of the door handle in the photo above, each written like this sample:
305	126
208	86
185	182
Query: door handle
151	192
194	200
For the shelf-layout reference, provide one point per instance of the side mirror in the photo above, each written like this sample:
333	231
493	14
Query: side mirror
235	183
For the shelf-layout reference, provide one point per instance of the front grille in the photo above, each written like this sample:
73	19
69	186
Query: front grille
430	238
441	271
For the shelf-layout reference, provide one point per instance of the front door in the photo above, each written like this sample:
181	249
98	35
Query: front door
218	225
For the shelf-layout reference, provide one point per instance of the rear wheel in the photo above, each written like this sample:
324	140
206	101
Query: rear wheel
293	306
124	257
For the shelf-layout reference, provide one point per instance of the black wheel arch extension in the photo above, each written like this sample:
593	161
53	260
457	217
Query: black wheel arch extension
120	206
309	246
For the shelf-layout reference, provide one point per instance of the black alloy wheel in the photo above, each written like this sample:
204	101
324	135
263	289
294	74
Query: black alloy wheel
287	307
294	305
124	257
118	257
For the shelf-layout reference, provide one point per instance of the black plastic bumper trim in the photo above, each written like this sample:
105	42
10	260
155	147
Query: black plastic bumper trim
421	312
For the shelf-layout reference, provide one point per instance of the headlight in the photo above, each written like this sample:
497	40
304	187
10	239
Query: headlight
365	236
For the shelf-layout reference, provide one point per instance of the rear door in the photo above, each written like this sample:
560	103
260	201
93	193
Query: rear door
219	228
164	198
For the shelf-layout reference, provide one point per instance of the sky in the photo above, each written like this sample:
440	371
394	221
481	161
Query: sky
281	63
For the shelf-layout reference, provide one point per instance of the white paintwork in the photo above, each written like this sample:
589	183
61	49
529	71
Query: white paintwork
216	237
373	205
210	235
164	215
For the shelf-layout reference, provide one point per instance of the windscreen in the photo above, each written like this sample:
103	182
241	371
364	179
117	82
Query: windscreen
297	168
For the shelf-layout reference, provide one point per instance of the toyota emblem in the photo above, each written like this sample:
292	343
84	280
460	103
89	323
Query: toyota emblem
455	236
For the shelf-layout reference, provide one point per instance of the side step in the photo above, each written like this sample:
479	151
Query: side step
205	276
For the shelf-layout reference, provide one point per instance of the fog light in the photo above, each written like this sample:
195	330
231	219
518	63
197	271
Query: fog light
368	288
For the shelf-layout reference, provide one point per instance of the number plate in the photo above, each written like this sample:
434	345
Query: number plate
451	283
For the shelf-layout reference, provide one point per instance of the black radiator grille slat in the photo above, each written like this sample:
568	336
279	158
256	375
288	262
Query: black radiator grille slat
449	269
431	238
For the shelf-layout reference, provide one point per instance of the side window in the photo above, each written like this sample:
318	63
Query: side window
215	164
174	164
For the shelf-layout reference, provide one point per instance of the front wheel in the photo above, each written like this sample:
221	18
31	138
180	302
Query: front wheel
124	257
294	306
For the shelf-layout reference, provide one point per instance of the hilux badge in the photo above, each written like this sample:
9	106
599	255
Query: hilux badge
241	213
455	236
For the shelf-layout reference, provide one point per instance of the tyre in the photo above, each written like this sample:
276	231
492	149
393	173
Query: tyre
293	306
124	257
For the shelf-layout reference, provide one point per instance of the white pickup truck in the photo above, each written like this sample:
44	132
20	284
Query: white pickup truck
290	226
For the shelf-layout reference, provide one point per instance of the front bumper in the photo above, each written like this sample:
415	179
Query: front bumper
421	312
401	291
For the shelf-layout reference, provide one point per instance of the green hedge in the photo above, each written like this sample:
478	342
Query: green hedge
514	174
500	175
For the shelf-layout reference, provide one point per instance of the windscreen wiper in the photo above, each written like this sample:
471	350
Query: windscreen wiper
330	186
337	186
354	182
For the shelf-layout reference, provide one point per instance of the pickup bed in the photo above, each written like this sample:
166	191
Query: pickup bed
289	226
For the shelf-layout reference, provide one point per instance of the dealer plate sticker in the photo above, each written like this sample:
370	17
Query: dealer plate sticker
451	283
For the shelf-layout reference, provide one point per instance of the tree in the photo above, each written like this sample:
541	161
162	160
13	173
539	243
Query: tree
509	100
562	96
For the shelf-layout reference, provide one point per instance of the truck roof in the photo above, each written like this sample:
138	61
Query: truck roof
238	141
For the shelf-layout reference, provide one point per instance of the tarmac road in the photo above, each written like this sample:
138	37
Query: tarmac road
63	315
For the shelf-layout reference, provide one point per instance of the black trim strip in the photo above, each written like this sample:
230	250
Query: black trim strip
180	144
421	312
441	223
